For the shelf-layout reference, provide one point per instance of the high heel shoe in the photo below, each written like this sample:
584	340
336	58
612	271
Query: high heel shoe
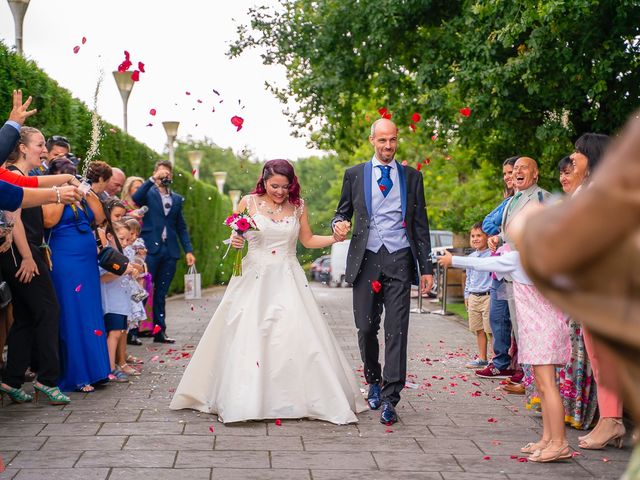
617	438
53	394
533	447
17	395
551	453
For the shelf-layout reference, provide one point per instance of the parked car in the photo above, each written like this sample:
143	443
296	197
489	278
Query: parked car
440	240
338	263
324	272
314	270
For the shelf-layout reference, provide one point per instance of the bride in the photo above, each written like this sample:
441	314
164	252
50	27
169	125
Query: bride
268	353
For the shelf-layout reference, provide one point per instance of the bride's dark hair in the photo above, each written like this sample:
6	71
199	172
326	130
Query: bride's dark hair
284	168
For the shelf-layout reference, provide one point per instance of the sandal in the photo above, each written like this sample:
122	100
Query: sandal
16	395
533	447
131	360
129	370
53	394
86	388
552	454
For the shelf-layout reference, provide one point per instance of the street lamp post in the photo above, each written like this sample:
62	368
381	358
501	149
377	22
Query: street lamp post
234	195
220	178
18	9
195	157
171	128
125	85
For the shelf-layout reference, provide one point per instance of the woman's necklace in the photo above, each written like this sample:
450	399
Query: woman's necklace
271	210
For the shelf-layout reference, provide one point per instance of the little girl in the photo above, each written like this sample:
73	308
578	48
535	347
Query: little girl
136	252
116	302
544	343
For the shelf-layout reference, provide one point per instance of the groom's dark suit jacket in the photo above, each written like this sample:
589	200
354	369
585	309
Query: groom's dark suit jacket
356	201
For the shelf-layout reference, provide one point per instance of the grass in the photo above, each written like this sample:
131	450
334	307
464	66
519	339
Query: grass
459	309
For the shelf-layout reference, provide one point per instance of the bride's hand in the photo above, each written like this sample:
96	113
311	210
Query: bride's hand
237	241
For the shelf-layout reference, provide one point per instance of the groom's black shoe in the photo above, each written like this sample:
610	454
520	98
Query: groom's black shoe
374	399
162	338
388	414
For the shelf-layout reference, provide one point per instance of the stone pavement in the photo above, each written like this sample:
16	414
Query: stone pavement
452	426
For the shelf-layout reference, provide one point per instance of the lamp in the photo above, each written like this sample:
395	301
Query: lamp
234	195
220	178
125	85
18	9
195	157
171	129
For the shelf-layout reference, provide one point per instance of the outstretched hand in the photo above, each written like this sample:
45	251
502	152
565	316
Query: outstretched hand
446	259
20	111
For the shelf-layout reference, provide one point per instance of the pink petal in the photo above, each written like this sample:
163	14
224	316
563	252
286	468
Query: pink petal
211	429
84	40
278	422
486	457
156	330
78	288
97	333
153	112
155	358
141	67
76	49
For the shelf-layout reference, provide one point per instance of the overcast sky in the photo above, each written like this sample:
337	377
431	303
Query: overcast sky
182	44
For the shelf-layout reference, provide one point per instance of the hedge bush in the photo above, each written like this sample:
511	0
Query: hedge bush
61	114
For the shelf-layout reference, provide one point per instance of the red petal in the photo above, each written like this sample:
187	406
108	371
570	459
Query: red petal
156	329
84	40
278	422
149	124
383	111
187	93
237	122
487	457
382	188
126	55
76	49
387	116
415	118
419	167
427	161
412	127
152	112
141	67
491	420
97	333
465	111
376	286
388	430
211	429
523	460
135	76
193	172
404	163
199	101
78	288
434	137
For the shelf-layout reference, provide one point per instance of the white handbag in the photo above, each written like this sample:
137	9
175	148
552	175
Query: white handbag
192	284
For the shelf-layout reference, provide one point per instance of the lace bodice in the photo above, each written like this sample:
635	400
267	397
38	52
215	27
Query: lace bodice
277	233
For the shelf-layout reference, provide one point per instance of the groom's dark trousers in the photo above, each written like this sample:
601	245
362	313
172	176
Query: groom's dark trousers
394	271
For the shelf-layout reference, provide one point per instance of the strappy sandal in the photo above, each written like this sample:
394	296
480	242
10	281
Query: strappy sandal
533	447
131	360
17	395
53	394
86	388
552	454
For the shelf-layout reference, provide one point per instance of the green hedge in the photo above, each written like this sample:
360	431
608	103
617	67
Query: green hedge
61	114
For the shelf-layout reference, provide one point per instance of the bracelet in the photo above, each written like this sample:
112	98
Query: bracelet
58	198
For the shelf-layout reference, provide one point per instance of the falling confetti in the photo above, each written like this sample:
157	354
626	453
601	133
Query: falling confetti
237	122
211	429
376	286
486	457
152	112
415	118
97	333
278	422
78	288
187	93
84	40
135	76
156	329
141	67
76	49
465	111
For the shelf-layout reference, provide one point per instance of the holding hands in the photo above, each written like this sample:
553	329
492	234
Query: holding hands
341	230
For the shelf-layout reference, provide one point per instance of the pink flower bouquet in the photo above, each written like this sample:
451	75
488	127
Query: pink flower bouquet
240	223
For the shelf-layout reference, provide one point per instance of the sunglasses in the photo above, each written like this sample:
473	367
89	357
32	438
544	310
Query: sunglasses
59	139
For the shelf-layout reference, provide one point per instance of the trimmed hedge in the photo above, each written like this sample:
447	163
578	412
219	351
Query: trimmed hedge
61	114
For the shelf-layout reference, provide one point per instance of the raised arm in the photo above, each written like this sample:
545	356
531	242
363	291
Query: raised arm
306	236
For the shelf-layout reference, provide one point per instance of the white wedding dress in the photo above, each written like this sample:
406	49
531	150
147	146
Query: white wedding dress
268	353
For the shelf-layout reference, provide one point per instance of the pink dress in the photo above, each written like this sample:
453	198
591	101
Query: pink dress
543	330
544	337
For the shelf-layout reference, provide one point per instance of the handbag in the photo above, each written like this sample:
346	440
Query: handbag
192	284
5	294
111	259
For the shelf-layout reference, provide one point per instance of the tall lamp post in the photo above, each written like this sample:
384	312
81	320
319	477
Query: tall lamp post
18	9
234	195
195	157
125	85
220	178
171	128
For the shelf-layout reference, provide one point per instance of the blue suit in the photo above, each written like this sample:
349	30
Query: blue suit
10	195
162	255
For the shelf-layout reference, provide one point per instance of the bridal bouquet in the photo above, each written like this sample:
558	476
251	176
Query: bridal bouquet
240	223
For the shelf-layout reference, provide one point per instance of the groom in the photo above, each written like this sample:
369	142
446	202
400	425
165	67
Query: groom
390	238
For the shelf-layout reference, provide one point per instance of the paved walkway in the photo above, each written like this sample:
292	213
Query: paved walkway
452	425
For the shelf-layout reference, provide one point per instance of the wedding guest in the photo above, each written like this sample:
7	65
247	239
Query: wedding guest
544	343
162	226
131	186
33	338
83	347
117	180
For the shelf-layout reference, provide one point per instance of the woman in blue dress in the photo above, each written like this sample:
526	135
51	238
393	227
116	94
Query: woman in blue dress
84	359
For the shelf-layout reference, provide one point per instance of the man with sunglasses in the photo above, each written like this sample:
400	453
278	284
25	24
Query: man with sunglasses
162	226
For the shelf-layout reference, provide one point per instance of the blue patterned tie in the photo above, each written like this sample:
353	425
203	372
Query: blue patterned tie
384	182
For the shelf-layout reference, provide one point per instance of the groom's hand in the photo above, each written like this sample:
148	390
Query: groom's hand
341	230
426	282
